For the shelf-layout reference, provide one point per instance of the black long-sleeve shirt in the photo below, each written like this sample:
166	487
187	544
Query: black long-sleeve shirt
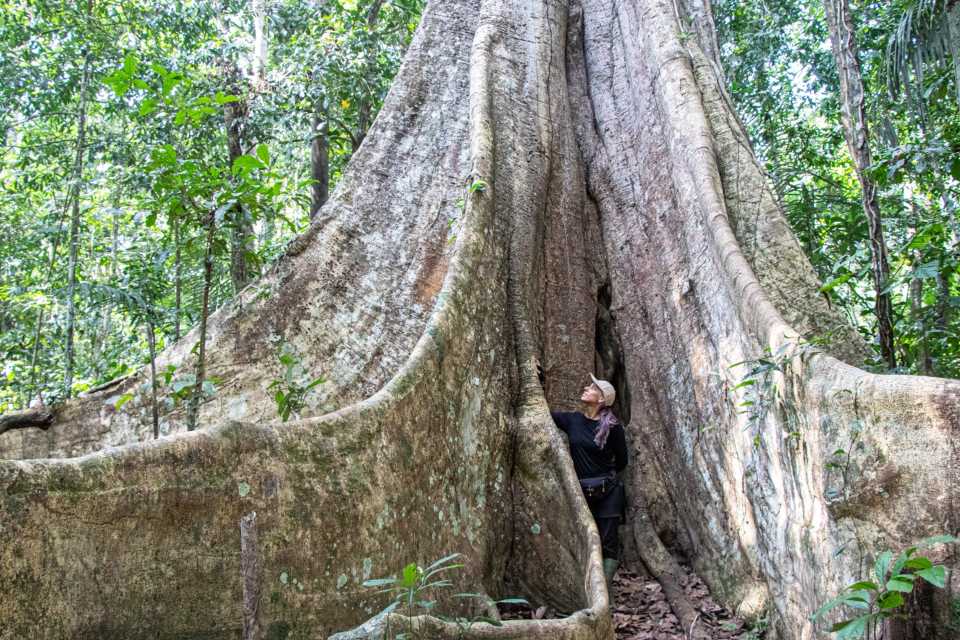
589	460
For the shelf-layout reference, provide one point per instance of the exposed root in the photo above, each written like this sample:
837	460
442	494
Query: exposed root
661	565
39	418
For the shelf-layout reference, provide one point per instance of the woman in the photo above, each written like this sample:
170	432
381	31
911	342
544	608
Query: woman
599	451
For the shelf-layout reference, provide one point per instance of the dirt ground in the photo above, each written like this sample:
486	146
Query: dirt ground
641	611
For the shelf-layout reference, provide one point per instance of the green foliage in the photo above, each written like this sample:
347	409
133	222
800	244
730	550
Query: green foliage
881	597
413	592
759	385
784	83
291	389
155	162
477	186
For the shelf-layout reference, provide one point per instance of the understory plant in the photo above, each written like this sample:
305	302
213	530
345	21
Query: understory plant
874	601
291	389
414	592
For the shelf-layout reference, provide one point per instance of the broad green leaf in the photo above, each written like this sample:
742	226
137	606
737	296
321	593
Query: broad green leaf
409	576
828	606
899	584
130	64
864	585
246	163
858	600
222	98
836	282
934	575
890	600
122	400
148	106
918	562
943	539
183	383
243	488
263	153
852	628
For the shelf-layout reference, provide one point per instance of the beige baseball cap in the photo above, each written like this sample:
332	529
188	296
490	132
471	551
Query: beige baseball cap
606	389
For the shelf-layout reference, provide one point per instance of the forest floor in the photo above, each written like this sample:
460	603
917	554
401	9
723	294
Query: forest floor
641	611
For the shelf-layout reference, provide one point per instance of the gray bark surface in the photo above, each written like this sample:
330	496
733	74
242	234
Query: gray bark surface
617	220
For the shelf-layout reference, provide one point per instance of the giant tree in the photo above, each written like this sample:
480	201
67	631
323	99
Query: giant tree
555	183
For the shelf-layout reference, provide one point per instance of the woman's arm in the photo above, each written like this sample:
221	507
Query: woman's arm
561	418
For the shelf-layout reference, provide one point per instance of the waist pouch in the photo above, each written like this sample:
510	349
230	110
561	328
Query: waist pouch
596	489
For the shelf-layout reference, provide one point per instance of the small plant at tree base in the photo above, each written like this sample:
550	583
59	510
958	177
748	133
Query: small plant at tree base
412	588
883	599
290	391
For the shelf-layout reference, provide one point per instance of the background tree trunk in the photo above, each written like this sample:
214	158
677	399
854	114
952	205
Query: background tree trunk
259	10
857	134
242	265
365	108
75	227
617	220
319	161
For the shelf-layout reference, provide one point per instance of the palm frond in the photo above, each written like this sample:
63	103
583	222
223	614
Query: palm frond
926	35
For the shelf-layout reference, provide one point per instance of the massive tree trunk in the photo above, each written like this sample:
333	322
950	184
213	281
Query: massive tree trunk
615	218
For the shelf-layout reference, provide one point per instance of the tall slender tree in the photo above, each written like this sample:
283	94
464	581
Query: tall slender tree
857	134
75	223
235	114
319	158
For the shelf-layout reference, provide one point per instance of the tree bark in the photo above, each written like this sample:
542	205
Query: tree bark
242	267
200	375
38	418
75	228
319	162
251	574
605	182
177	278
857	134
365	108
259	10
154	403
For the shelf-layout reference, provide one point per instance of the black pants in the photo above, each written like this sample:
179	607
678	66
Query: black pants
609	536
608	513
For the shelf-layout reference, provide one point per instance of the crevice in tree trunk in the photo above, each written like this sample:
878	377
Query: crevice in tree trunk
610	353
656	558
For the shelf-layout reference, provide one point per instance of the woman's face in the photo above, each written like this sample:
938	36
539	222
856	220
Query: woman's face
591	395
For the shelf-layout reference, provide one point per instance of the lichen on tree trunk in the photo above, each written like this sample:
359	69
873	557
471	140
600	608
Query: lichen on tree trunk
612	187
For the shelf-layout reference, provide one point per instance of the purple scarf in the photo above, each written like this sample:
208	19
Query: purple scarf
607	422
